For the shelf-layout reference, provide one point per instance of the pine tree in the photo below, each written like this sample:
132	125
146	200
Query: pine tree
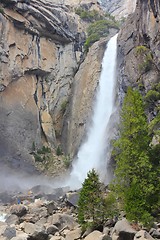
90	205
134	174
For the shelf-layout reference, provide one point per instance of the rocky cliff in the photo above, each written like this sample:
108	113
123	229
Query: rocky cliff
41	67
119	8
139	55
39	45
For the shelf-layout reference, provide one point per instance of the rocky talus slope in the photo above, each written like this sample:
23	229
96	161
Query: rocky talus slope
45	213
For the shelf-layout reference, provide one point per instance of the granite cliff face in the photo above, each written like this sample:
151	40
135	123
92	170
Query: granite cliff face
37	67
47	81
41	51
139	40
119	8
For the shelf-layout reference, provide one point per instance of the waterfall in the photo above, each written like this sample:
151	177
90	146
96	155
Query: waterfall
93	152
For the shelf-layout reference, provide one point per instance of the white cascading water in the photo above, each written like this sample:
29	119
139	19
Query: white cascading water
92	154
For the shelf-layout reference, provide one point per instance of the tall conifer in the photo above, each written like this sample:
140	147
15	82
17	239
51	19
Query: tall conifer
134	174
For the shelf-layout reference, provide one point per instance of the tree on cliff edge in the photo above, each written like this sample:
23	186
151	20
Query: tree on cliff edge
135	178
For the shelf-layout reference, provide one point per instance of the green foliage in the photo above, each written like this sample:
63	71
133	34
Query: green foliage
1	10
33	146
67	161
97	30
111	208
64	106
40	154
88	16
146	58
135	181
154	124
44	150
152	96
140	50
91	204
59	151
38	157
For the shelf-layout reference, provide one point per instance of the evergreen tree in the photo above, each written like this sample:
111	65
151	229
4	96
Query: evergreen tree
134	174
90	205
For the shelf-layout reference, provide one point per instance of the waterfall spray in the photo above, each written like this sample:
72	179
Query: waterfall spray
93	153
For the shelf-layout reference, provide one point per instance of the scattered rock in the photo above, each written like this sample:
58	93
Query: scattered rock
95	235
143	235
19	210
12	219
123	230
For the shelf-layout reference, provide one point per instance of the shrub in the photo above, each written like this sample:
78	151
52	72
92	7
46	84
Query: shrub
152	96
1	10
97	30
154	124
145	56
111	205
88	16
59	151
67	161
64	106
44	150
38	158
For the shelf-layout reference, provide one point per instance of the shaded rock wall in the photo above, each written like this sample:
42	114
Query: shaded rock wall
140	29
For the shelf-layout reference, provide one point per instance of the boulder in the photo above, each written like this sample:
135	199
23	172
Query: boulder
35	232
57	238
9	232
155	233
73	235
105	237
95	235
123	230
12	219
143	235
21	236
19	210
62	220
51	229
51	206
72	198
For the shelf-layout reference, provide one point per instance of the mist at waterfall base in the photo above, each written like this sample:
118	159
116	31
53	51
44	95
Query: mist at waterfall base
95	152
